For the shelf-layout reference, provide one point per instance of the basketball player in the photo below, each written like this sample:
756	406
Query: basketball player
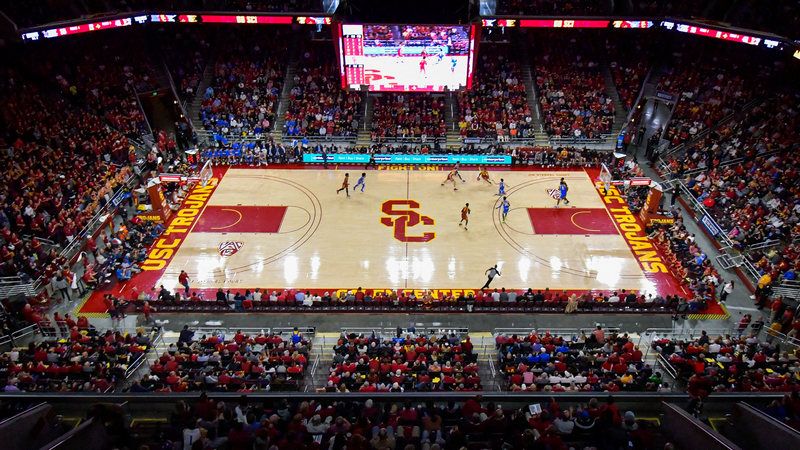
562	187
484	174
465	216
458	174
360	182
505	205
345	185
451	177
502	190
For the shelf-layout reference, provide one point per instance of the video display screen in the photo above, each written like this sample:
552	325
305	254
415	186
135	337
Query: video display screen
420	58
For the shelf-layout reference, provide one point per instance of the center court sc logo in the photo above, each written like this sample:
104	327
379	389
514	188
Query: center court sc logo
405	218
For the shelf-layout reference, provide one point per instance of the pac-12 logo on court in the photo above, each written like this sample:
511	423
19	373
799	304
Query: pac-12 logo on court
228	248
555	193
405	218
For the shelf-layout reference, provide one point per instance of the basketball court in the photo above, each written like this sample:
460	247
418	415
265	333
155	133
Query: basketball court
288	228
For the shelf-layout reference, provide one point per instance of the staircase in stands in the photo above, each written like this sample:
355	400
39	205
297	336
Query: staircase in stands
620	115
451	115
364	138
288	83
540	136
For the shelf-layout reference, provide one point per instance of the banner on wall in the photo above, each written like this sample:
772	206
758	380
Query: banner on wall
342	158
710	225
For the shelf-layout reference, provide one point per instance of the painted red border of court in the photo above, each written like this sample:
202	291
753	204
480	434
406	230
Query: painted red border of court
666	283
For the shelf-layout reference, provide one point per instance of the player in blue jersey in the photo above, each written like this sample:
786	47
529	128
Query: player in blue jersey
360	182
562	188
453	64
505	205
502	190
455	168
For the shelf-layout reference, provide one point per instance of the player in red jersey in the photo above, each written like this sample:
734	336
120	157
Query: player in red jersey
484	174
422	65
345	185
451	177
465	216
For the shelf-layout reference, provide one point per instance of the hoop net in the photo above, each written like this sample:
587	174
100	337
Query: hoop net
604	180
206	173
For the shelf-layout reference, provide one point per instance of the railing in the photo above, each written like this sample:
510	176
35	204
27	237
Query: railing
575	332
388	333
210	136
639	97
11	286
408	139
326	138
556	141
772	335
19	334
228	333
668	368
766	243
181	103
155	338
650	335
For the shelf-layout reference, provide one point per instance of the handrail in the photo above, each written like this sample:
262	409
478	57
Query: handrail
701	209
668	367
22	413
174	89
639	97
571	140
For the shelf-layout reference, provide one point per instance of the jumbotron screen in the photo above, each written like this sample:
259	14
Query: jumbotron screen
421	58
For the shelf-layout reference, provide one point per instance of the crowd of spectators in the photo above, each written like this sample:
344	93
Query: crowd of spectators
318	106
572	88
238	363
728	363
744	174
390	425
67	130
707	92
593	362
408	115
404	363
367	300
88	361
497	104
242	98
564	157
691	266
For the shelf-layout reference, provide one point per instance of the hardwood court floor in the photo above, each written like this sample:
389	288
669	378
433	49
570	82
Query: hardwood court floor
274	228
